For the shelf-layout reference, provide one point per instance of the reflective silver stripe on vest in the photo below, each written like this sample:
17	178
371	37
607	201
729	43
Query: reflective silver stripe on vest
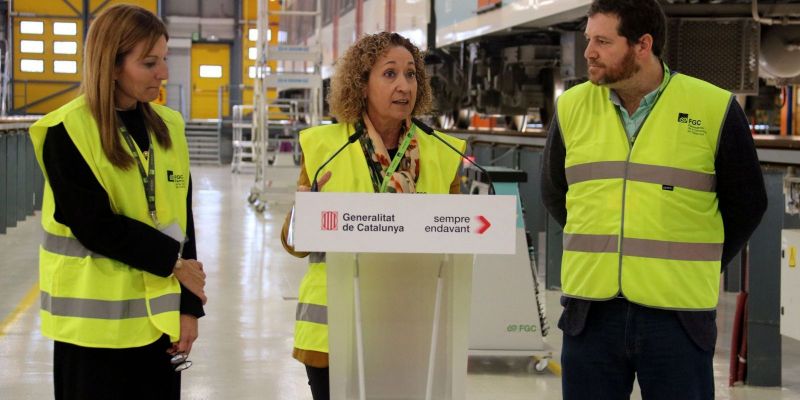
672	250
596	170
312	313
642	173
590	243
165	303
644	247
108	309
672	177
67	246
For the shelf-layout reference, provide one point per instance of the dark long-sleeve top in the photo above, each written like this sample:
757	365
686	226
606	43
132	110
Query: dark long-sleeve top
83	205
741	196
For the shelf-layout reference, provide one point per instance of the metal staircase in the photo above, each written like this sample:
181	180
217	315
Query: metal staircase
243	156
203	139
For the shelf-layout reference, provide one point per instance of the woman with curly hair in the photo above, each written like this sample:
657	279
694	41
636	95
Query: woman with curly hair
379	84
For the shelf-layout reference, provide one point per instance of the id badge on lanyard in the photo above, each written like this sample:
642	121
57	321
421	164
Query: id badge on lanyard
149	176
397	158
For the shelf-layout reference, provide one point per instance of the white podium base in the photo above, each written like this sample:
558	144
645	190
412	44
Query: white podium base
398	293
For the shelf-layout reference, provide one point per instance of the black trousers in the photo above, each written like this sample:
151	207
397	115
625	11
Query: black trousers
86	373
318	380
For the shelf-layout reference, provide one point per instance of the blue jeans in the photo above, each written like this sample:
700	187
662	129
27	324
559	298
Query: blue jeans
621	340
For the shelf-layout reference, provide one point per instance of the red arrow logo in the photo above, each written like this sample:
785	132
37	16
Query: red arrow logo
485	224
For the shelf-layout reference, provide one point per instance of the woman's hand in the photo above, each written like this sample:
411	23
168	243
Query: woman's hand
190	274
189	333
320	183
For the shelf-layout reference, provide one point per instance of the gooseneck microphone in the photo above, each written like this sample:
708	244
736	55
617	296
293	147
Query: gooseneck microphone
350	140
427	129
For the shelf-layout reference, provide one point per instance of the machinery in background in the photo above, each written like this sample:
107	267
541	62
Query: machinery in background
791	191
779	54
500	65
517	68
511	79
790	281
508	316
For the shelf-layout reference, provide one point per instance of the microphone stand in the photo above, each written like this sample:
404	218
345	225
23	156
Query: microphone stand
350	140
427	129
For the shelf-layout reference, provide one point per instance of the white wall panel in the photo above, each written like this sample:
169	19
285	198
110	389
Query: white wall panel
347	31
207	28
179	64
374	16
326	34
200	8
457	29
411	21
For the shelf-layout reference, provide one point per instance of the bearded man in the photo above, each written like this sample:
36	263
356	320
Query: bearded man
655	179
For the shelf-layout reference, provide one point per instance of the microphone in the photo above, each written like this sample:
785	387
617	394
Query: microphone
350	140
427	129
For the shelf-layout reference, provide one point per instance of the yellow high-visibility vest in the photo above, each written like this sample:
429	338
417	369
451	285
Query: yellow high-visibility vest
643	220
91	300
438	168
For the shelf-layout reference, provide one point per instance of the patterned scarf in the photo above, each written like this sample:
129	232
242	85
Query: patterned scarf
404	178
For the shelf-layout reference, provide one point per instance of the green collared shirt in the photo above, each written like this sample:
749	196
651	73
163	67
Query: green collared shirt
633	122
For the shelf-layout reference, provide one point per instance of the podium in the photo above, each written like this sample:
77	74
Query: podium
399	285
399	321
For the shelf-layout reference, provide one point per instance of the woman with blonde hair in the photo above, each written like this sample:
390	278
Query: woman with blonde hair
379	84
121	290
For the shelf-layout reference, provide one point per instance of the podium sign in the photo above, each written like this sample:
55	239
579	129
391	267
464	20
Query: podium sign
404	223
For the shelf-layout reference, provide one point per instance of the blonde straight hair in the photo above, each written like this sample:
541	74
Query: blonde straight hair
112	36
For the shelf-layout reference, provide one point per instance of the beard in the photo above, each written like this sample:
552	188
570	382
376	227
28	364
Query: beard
624	70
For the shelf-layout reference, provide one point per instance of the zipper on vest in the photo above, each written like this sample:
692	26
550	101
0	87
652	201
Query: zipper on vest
624	187
636	134
631	143
622	224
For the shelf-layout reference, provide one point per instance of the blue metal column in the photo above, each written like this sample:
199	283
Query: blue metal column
236	78
530	161
38	189
763	302
530	192
733	275
38	183
483	153
3	183
30	174
789	99
21	175
11	180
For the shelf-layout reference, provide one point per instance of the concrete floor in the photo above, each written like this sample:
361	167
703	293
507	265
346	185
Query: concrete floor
246	338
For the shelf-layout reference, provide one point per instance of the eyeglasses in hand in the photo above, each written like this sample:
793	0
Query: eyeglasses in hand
180	362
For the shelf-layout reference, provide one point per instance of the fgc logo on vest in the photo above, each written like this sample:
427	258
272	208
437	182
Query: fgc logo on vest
695	125
683	118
